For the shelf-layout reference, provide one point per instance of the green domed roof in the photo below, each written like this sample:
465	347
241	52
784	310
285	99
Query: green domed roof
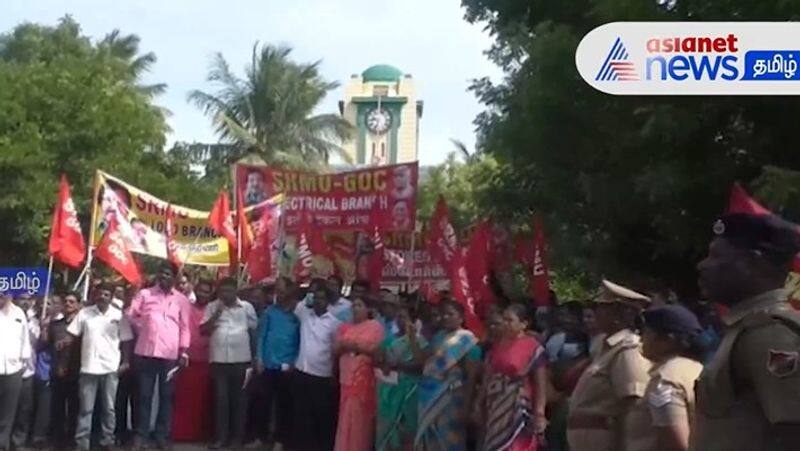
382	72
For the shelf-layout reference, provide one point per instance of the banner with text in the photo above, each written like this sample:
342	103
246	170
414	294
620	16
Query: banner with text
18	281
383	197
142	221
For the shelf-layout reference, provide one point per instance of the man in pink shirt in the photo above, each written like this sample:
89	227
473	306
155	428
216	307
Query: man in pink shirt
161	317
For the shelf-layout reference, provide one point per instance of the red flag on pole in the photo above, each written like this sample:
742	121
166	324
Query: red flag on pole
113	251
172	246
477	264
444	249
221	221
540	280
66	240
741	202
243	227
305	258
260	264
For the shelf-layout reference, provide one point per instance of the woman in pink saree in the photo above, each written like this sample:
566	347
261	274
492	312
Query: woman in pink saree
355	345
513	394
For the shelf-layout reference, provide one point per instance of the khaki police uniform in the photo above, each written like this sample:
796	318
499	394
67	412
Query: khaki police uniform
600	404
668	400
753	381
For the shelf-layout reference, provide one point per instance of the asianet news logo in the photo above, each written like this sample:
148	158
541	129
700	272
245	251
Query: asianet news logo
691	58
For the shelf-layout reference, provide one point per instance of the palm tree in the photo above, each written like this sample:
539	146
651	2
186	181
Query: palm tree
126	49
269	111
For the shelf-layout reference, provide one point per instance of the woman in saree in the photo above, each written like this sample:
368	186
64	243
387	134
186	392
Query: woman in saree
397	392
356	343
447	385
514	390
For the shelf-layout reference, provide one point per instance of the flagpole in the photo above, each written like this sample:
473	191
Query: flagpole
238	226
47	287
92	228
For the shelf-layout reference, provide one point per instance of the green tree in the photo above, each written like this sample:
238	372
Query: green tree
269	112
630	185
70	106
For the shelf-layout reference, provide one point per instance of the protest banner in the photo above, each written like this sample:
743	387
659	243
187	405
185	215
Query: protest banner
383	197
17	281
419	266
142	222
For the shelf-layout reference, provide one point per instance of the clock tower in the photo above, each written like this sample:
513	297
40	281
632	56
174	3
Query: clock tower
381	104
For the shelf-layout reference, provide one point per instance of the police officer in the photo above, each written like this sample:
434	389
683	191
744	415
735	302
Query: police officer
605	395
671	340
748	396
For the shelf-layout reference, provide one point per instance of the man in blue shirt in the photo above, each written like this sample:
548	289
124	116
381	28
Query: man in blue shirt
277	348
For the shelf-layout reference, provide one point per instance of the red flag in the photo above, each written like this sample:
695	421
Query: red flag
260	264
540	280
243	227
66	240
477	263
741	202
221	221
305	258
445	250
172	246
114	251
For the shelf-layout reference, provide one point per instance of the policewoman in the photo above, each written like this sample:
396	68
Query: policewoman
605	396
748	396
663	416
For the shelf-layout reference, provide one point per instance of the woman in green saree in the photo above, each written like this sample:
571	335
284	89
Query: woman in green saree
397	389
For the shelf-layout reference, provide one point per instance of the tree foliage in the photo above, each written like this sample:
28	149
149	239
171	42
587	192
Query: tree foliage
629	185
68	105
270	112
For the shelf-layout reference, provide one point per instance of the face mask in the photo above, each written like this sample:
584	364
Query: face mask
309	299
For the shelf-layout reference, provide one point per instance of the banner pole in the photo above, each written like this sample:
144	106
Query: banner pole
281	242
88	274
47	288
238	226
92	231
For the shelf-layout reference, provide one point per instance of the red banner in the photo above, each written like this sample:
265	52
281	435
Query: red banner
114	251
445	249
66	240
383	197
418	266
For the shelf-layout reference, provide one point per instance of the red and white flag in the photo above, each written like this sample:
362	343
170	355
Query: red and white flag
113	251
221	221
445	250
66	240
540	279
173	251
477	263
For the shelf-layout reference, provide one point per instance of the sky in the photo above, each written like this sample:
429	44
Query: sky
428	39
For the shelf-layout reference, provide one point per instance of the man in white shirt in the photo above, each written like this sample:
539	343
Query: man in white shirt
105	350
14	356
231	323
22	422
316	397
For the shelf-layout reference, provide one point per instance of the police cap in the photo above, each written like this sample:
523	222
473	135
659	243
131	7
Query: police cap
672	318
776	238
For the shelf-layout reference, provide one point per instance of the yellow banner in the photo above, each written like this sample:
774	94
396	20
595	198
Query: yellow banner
142	220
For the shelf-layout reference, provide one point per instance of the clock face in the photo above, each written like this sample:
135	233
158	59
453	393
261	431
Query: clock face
379	120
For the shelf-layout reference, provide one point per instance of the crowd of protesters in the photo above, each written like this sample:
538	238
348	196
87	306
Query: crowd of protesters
326	367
